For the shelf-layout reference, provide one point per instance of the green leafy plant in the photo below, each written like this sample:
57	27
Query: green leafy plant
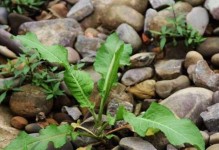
29	68
112	54
178	28
22	6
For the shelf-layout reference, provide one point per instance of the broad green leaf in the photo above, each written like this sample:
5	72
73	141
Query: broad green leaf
177	131
57	135
81	85
163	42
110	56
2	96
55	53
119	116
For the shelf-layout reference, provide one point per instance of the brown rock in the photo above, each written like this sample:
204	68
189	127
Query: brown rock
213	147
144	89
30	101
209	47
62	117
215	59
59	10
192	58
73	56
19	122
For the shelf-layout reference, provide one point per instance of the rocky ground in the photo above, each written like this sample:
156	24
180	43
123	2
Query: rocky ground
184	79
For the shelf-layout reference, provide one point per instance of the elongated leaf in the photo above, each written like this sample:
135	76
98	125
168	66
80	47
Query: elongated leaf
177	131
55	53
110	56
81	85
57	135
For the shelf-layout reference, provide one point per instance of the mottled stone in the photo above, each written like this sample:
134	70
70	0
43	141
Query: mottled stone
145	89
198	23
149	15
143	59
209	47
165	88
134	76
30	101
55	31
135	143
129	36
81	9
211	117
169	69
202	75
161	3
189	102
74	112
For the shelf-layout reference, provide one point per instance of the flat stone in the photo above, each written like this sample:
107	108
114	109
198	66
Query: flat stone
198	23
143	90
209	47
161	3
134	76
213	7
169	69
135	143
129	36
165	88
202	75
211	117
81	9
189	103
3	16
143	59
52	32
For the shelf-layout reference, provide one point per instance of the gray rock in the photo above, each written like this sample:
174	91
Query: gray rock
143	59
5	40
149	15
213	147
216	97
165	88
195	2
31	105
192	58
85	45
74	112
214	138
73	56
215	59
209	47
135	143
171	147
211	117
161	3
81	9
169	69
7	132
189	102
52	32
129	36
202	75
15	20
3	15
198	23
118	14
134	76
212	6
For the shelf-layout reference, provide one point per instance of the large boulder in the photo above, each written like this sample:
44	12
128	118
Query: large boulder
189	103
